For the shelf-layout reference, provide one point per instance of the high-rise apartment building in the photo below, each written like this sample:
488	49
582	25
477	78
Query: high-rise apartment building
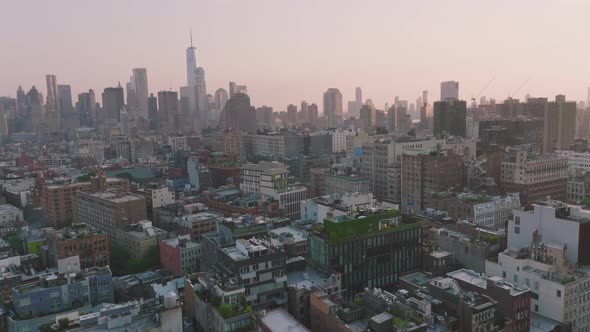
423	174
64	98
221	98
449	90
112	103
332	106
168	110
86	106
450	118
153	111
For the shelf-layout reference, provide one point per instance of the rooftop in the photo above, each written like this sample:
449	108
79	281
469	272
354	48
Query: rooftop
280	320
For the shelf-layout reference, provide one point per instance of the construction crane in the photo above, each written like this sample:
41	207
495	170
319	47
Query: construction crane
521	86
482	89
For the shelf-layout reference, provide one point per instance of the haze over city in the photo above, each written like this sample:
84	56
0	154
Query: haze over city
294	165
288	51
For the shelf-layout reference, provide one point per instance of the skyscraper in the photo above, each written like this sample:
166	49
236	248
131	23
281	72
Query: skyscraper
35	109
21	101
64	97
153	111
449	90
332	106
238	114
168	109
449	118
232	88
140	81
221	98
313	113
112	103
191	64
358	97
87	109
52	101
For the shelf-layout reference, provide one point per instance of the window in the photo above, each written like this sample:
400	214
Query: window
558	293
536	308
504	274
517	220
516	230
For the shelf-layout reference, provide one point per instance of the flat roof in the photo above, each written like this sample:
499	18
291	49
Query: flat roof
280	320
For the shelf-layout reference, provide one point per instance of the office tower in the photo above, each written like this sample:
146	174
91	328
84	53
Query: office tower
125	123
368	116
191	64
202	102
220	98
313	113
140	87
291	114
168	110
242	89
424	97
35	109
64	95
232	88
131	101
238	114
391	118
348	240
52	98
153	111
112	103
303	115
449	118
449	90
21	101
351	109
332	106
87	109
358	98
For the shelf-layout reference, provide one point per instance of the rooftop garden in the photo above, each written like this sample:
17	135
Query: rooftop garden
476	199
357	228
226	310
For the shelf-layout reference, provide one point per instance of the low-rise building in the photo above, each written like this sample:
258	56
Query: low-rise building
137	239
91	245
180	255
10	214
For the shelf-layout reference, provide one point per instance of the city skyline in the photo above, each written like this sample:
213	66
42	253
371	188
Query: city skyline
301	60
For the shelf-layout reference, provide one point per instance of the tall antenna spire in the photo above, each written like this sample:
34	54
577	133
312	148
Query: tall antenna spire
191	28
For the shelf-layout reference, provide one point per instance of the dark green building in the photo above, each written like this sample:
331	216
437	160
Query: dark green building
449	118
367	251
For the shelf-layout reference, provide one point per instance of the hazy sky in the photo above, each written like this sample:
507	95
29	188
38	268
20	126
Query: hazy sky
292	50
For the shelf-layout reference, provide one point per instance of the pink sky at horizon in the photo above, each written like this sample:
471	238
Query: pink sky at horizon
289	51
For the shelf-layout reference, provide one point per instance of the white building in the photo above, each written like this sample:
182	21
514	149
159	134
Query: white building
178	143
556	293
10	214
272	179
494	213
576	161
555	222
317	209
